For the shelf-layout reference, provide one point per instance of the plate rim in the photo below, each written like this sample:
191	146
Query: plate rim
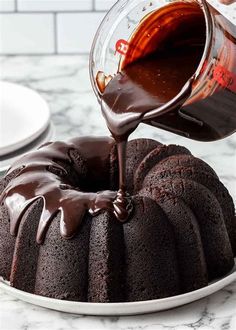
27	140
46	136
120	308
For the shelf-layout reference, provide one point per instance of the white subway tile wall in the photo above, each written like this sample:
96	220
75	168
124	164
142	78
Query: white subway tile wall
54	5
7	5
103	4
49	26
75	32
57	26
23	33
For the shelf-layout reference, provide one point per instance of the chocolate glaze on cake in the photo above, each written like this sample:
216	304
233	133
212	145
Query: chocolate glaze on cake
180	235
42	176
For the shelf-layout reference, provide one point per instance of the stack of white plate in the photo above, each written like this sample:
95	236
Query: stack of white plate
24	122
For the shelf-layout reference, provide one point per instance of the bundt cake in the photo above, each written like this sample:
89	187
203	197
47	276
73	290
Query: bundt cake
59	237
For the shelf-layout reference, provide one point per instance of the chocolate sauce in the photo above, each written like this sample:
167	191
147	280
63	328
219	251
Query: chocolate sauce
158	65
54	173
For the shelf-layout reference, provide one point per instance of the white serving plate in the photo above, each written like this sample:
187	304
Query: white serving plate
7	160
110	309
24	116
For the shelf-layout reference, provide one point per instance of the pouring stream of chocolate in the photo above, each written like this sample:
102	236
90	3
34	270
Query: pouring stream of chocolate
152	75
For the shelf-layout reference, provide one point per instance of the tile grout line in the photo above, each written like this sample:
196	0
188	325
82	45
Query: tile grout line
53	12
93	5
55	33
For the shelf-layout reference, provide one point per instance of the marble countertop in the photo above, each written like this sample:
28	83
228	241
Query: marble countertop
64	82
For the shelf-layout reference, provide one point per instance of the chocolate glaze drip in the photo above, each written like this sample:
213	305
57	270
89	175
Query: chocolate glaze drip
51	173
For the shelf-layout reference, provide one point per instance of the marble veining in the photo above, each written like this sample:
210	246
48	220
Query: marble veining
215	312
64	82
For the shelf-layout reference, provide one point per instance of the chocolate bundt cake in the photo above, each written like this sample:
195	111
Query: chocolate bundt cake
59	236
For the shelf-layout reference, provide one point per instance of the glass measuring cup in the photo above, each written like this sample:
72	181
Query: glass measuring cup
209	113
